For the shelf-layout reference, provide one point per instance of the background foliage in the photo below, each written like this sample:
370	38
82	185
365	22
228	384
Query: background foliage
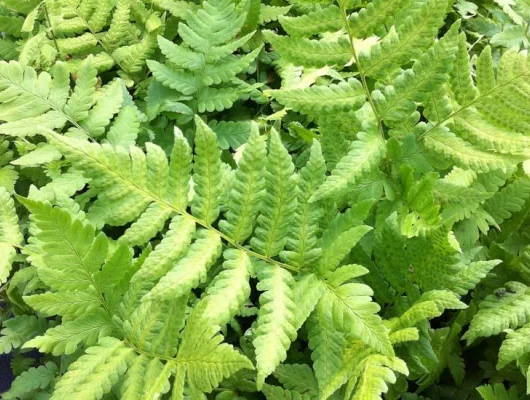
281	200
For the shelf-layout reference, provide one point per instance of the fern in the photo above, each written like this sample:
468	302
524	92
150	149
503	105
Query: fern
203	65
85	112
32	379
10	236
499	313
296	200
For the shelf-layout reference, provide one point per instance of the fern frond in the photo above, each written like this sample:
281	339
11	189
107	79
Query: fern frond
18	330
204	58
310	53
495	128
142	371
207	169
325	19
279	201
470	275
118	26
67	252
269	13
430	305
308	290
376	14
364	155
428	73
65	338
30	380
413	33
297	377
461	81
277	393
227	293
35	102
150	330
275	330
82	98
246	195
206	360
376	371
94	373
508	200
428	258
327	344
497	313
301	244
352	355
313	101
190	270
515	345
147	226
404	335
355	314
461	153
10	235
161	259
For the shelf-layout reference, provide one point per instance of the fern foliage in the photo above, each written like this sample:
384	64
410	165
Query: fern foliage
290	200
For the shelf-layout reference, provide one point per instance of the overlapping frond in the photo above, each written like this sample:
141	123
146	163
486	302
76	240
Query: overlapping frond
10	236
203	65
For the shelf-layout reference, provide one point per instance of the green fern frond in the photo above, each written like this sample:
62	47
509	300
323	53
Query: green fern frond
470	275
308	290
108	361
364	155
227	293
36	102
344	96
413	33
428	73
248	191
203	64
10	235
327	344
161	260
206	360
190	270
275	330
430	305
376	372
150	330
301	245
514	346
18	330
310	53
498	391
297	377
105	30
279	202
355	314
141	374
30	380
376	14
325	19
269	13
484	134
509	200
207	173
277	393
65	338
499	312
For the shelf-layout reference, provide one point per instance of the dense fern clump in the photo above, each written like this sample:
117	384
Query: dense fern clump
243	199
